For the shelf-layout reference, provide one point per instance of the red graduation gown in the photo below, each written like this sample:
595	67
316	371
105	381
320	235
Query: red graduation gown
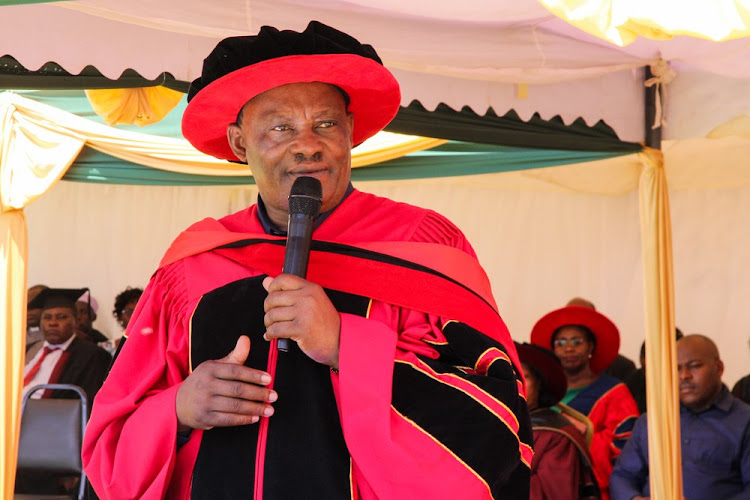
391	359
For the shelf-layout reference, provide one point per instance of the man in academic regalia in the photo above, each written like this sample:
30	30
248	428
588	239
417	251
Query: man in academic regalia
401	381
62	358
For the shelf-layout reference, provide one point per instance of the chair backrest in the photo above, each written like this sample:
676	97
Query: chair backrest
578	419
52	433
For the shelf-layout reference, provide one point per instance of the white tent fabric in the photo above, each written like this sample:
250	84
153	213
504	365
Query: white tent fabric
543	236
478	53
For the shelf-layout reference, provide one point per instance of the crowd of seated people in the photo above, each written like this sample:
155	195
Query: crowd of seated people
584	398
714	423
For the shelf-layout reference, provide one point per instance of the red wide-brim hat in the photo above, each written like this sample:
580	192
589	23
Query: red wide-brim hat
604	330
544	361
241	68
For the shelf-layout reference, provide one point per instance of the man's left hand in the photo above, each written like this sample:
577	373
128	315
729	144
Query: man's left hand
300	310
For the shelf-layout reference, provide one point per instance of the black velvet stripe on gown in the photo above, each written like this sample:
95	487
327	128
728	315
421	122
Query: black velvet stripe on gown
306	456
455	418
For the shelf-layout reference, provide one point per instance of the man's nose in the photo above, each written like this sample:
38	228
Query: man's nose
683	373
306	143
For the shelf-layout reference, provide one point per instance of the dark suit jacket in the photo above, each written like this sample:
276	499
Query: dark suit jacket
86	367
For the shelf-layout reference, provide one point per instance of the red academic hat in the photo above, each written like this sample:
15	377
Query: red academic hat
604	330
547	365
241	67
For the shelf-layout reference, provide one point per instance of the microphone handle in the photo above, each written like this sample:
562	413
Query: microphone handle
297	255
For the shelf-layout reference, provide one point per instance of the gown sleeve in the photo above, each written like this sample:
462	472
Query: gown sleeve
436	401
613	417
133	415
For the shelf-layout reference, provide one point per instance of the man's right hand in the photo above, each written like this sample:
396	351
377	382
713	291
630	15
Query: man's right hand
224	393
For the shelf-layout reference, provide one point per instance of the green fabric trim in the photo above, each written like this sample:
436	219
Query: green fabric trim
533	144
99	168
463	158
508	130
449	160
23	2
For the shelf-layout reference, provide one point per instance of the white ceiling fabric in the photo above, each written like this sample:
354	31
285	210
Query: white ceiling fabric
470	53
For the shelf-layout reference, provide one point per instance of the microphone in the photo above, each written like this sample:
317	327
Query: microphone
305	199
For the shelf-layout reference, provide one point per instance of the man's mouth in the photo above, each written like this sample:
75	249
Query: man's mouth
303	169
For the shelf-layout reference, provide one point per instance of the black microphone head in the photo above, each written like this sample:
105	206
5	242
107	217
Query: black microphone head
305	197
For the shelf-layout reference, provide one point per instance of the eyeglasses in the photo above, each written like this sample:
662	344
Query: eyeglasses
575	342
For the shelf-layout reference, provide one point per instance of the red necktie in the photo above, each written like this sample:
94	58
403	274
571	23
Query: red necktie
30	376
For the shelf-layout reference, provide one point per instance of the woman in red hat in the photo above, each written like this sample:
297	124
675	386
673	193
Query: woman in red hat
561	468
586	342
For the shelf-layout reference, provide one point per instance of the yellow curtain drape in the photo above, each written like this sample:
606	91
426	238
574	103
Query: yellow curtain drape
177	155
33	156
623	21
661	377
138	106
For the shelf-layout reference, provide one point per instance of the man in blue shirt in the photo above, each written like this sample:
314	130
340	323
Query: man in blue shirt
714	428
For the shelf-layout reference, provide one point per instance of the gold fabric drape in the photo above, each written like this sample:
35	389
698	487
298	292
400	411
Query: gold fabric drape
177	155
665	469
33	156
138	106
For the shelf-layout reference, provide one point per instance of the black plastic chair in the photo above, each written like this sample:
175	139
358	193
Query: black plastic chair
51	437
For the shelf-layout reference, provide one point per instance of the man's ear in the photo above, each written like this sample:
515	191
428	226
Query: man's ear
237	141
350	116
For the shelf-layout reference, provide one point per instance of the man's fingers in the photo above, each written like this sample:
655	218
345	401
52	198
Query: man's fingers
239	353
280	298
218	419
284	282
281	330
240	407
279	314
239	373
243	391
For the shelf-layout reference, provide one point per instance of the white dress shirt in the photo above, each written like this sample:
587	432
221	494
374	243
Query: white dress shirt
48	365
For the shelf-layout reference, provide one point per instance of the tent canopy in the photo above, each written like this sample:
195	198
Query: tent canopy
481	54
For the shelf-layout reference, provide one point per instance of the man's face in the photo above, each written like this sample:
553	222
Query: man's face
300	129
84	318
699	370
58	324
571	346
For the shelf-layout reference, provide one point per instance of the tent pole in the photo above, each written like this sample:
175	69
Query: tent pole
665	473
653	134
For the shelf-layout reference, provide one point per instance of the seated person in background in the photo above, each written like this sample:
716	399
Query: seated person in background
621	368
87	307
33	332
585	341
637	382
63	358
125	303
742	389
561	468
714	429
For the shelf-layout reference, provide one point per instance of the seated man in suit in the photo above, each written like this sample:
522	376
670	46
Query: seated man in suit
63	358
